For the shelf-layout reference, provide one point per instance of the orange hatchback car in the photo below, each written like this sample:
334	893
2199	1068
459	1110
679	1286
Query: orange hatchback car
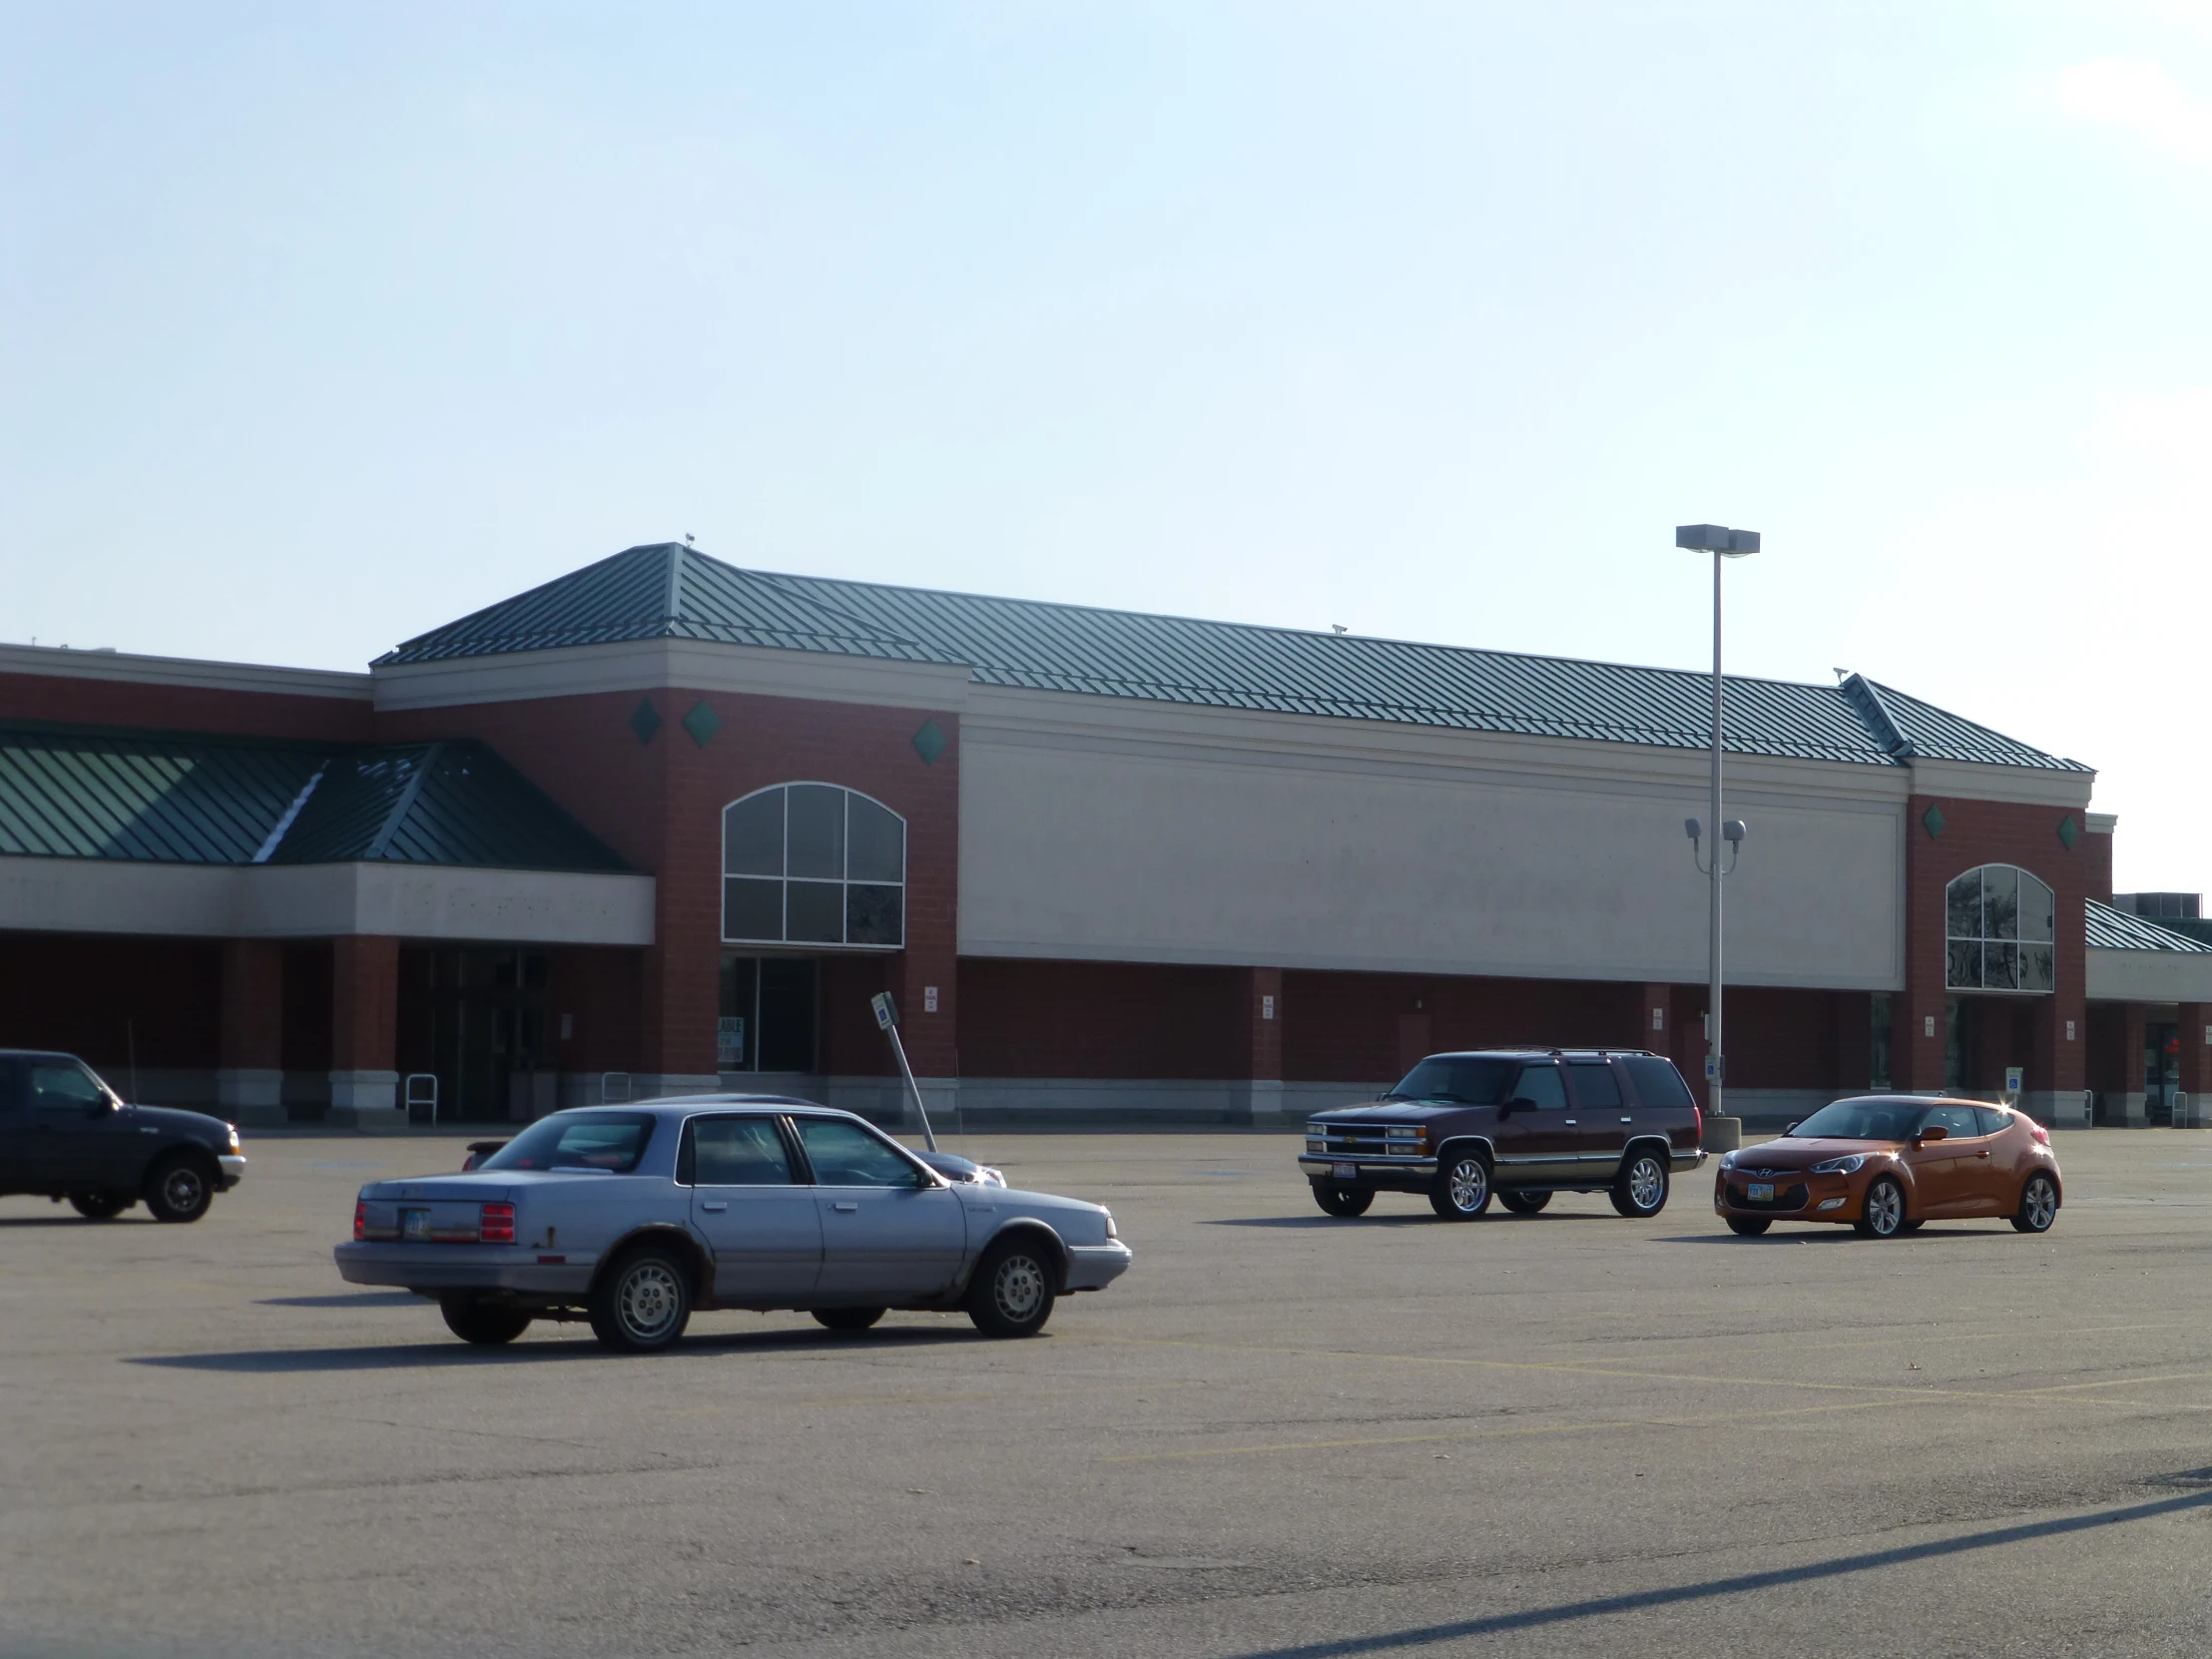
1888	1163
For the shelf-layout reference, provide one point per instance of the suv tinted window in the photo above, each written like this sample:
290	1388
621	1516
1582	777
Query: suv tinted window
1659	1084
1463	1079
1540	1086
1594	1083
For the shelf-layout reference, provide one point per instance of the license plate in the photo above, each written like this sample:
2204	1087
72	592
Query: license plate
414	1224
1345	1171
1762	1192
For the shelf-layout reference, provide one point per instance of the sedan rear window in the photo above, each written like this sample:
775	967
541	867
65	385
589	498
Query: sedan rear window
593	1140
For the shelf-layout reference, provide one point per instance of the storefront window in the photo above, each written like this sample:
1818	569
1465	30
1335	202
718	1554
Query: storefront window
1998	932
813	864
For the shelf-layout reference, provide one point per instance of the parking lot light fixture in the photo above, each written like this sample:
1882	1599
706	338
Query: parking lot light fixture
1723	543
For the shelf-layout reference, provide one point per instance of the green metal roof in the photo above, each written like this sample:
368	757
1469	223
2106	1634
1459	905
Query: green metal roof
669	591
2111	929
169	798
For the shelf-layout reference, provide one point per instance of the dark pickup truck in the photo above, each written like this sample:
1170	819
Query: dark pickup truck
64	1134
1521	1122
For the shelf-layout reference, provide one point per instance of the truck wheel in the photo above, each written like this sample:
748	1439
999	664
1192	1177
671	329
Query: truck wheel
1525	1204
485	1323
1640	1192
101	1205
643	1303
1011	1293
1345	1202
1462	1189
179	1187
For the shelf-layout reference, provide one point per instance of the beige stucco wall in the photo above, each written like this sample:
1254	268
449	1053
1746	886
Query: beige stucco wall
1143	832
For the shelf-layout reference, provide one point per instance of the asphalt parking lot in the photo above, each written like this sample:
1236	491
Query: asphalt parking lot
1278	1435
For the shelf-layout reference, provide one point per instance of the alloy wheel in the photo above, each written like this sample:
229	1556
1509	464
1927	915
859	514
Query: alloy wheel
1017	1287
1884	1216
649	1301
1469	1183
1647	1183
2039	1203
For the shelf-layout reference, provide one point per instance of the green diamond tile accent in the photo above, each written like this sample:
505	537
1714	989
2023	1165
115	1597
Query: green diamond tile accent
702	723
1933	821
929	742
2068	831
645	719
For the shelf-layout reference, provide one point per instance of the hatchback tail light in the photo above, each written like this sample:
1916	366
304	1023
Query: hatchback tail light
2041	1134
361	1219
497	1225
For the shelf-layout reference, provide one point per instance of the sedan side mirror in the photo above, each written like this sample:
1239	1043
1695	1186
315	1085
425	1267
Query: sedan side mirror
1934	1132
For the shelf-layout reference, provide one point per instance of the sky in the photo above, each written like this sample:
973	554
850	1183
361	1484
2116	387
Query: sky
321	326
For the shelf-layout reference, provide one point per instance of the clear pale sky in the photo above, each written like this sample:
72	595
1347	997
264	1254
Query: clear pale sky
321	324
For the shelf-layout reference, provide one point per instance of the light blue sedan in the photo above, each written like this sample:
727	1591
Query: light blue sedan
631	1217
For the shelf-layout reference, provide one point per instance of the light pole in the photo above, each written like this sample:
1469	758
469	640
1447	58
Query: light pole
1722	543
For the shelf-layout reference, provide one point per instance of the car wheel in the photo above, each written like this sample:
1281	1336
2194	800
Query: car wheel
485	1323
1640	1192
1883	1214
848	1319
2038	1203
1462	1189
1748	1226
1346	1202
101	1205
1911	1226
1011	1293
643	1303
1525	1204
179	1187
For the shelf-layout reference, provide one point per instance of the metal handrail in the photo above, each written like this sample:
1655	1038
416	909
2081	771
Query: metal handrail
414	1100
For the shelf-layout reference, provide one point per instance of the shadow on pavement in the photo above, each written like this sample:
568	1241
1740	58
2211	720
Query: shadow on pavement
1740	1584
359	1298
579	1347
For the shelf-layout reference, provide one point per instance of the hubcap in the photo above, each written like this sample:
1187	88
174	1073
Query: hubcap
1469	1183
1884	1209
1645	1182
181	1189
1018	1288
2043	1203
650	1297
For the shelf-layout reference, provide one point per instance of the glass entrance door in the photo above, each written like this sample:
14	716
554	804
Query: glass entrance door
2161	1070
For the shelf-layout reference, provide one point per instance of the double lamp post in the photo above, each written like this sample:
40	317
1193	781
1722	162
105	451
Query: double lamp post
1722	1133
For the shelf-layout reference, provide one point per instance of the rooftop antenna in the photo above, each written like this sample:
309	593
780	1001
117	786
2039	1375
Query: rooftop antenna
1336	627
1841	672
688	538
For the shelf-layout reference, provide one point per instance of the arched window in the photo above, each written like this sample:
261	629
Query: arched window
1997	931
813	864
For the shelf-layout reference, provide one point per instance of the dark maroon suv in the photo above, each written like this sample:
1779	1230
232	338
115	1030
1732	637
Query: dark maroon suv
1524	1122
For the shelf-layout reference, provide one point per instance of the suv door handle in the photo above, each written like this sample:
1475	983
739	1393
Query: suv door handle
844	1204
1570	1123
1628	1120
705	1205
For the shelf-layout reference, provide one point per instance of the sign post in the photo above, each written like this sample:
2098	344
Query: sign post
886	1016
2013	1079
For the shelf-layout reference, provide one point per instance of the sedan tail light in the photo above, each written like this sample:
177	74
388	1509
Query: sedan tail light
361	1219
497	1225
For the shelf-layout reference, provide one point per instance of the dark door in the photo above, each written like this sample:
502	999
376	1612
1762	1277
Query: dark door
80	1135
755	1214
1535	1140
2162	1069
1599	1117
